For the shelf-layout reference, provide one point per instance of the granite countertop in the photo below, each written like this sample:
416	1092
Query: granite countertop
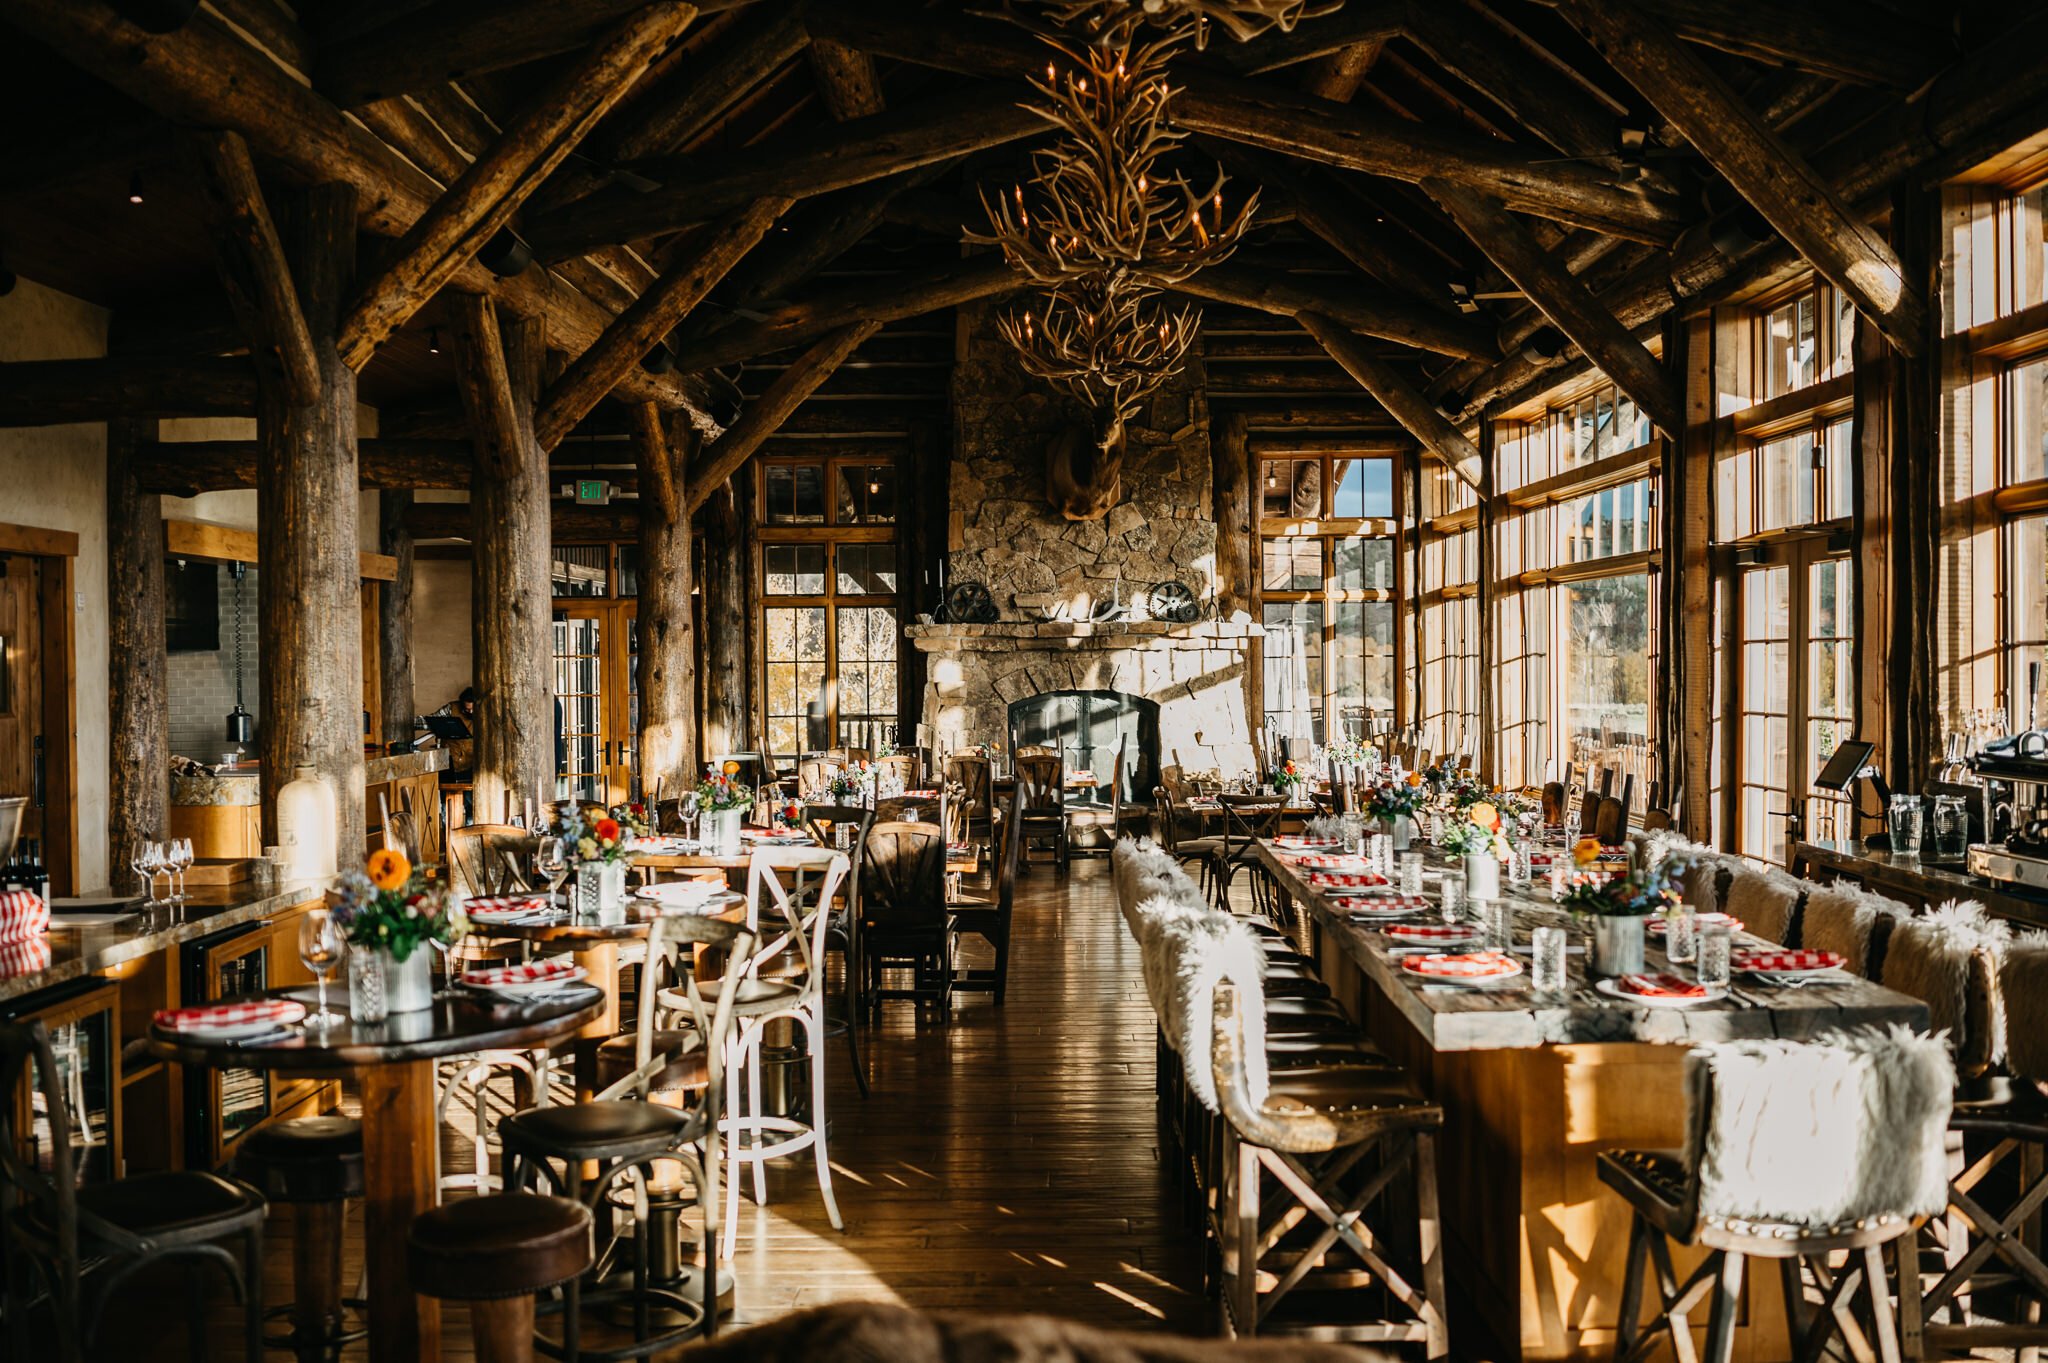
77	952
240	786
1909	876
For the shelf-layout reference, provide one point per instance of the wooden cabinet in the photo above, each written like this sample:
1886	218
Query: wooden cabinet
230	831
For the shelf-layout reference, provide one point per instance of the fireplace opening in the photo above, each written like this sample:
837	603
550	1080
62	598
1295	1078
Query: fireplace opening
1086	728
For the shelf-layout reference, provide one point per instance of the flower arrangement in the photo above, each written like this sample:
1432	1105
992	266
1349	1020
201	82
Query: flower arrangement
1392	800
847	783
1638	894
1285	777
990	750
632	817
1346	751
1478	832
389	907
604	838
720	790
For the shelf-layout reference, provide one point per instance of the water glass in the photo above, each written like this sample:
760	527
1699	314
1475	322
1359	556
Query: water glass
1379	849
1354	835
1715	940
1681	935
1571	827
1497	916
1948	829
1558	873
1411	872
1518	866
1903	819
1546	960
367	1000
1453	900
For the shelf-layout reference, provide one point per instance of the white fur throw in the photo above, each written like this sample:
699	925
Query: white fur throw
1647	851
1840	918
1189	948
1947	958
1764	901
2023	984
1821	1133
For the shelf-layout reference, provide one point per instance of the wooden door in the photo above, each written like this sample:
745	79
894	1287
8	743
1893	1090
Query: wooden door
21	687
596	699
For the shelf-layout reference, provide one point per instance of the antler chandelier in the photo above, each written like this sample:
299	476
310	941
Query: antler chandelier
1102	226
1116	20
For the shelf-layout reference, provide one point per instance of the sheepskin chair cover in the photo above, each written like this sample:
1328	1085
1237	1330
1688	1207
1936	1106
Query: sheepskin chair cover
2023	984
1820	1133
1188	949
1764	901
1947	958
1840	918
1648	851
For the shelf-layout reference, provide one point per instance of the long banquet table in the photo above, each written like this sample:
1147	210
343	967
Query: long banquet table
1533	1090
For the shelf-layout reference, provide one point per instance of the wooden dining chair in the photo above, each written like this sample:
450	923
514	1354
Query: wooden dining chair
990	920
1041	781
904	915
976	780
1610	820
401	831
1589	806
1198	848
843	932
1246	820
904	764
813	772
491	858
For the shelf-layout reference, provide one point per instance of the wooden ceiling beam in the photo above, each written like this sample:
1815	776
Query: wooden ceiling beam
1566	301
1495	60
1370	311
186	468
1416	413
848	85
61	392
798	166
567	523
457	38
1775	179
883	298
486	195
637	330
204	75
1338	76
1840	41
1317	130
253	267
1358	22
484	381
764	416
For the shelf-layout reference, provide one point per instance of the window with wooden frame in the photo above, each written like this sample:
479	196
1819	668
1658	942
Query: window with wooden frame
1447	616
1327	588
826	554
1799	337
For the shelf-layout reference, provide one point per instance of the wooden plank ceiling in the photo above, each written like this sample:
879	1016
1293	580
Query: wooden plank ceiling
1466	187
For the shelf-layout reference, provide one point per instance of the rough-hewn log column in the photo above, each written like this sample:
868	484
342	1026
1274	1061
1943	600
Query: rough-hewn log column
138	701
307	549
394	617
1230	457
1763	167
724	618
498	367
668	638
1401	398
1915	542
1564	299
1687	534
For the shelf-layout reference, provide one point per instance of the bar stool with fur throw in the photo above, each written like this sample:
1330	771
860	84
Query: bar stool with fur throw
496	1253
1795	1151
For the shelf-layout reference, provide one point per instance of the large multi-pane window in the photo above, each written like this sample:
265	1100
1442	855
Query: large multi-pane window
1327	592
1801	339
1787	478
829	583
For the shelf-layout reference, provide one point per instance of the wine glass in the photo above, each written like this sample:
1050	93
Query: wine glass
157	862
181	860
686	815
551	861
320	948
138	862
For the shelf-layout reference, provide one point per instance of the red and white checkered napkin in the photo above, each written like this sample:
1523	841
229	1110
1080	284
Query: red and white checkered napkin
1664	986
1474	965
23	915
213	1017
1384	905
505	905
22	957
920	795
1325	861
1347	880
553	970
1701	920
1296	842
1432	932
1774	961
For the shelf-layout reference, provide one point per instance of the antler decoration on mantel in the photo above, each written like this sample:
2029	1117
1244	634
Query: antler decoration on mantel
1116	20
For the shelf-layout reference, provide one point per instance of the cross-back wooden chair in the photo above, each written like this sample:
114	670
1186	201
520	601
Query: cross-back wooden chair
904	918
823	823
990	921
972	774
401	830
491	858
1041	781
1246	819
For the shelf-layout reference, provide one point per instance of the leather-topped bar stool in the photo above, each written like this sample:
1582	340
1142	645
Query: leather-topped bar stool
497	1253
314	1164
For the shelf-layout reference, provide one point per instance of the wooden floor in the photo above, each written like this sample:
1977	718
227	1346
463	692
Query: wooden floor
1008	1159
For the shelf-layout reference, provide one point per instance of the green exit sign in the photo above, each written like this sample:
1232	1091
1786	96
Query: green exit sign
593	492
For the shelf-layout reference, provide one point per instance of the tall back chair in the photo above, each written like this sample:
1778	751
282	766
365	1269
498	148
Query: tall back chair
824	823
491	858
904	764
1125	815
813	772
903	910
1589	805
51	1228
1042	784
972	774
991	922
1246	819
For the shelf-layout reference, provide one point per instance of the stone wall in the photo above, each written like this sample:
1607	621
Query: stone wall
1012	541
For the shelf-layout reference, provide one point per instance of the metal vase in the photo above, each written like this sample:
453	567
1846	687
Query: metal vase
1616	945
409	984
722	831
1482	876
1401	829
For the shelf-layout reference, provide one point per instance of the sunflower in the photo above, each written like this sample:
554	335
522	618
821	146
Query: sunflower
388	870
1414	778
1586	851
732	768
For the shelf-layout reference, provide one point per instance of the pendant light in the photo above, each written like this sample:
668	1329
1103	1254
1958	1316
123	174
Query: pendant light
241	724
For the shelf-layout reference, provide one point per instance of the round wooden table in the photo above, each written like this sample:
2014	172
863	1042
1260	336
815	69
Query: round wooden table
394	1063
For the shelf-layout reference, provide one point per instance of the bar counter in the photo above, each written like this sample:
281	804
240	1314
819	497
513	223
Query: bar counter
1908	879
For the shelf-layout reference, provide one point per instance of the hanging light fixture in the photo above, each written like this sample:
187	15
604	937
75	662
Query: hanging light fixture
433	340
241	724
135	187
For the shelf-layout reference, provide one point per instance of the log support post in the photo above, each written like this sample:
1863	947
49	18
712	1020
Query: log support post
498	369
1231	486
394	617
726	617
307	550
1486	701
1687	527
138	701
667	738
1914	560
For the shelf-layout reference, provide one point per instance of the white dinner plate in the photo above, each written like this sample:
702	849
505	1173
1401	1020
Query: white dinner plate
681	893
1819	972
1613	990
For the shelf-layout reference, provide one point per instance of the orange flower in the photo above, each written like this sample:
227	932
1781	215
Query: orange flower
1414	778
607	830
1485	815
1586	851
732	768
388	869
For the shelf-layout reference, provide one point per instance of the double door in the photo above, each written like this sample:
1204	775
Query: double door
597	699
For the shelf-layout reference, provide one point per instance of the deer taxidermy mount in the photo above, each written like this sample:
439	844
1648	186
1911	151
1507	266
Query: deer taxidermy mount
1102	230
